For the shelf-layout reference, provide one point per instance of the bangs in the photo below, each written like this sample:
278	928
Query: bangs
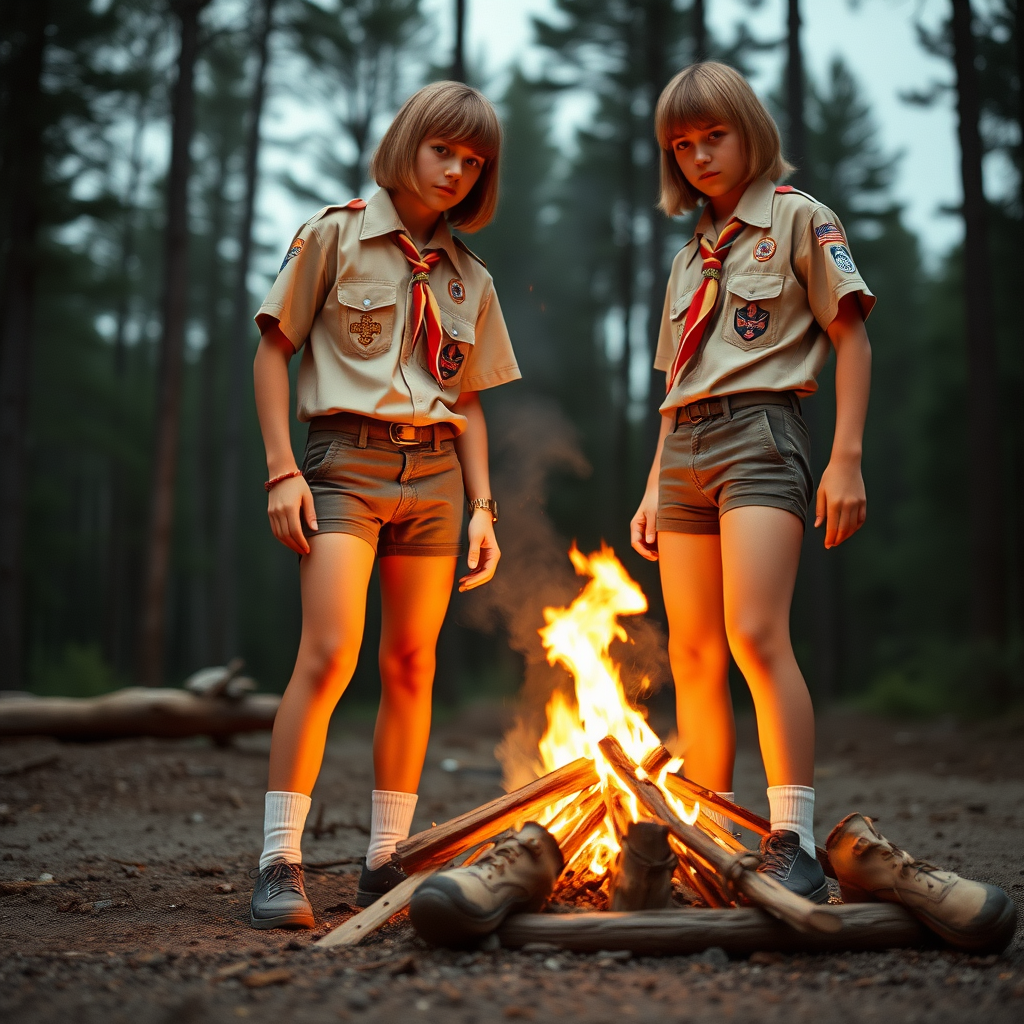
697	101
468	120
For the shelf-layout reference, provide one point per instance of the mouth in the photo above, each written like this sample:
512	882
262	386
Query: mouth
708	175
445	190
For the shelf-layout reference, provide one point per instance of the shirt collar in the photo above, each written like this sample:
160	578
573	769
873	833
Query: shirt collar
754	208
381	218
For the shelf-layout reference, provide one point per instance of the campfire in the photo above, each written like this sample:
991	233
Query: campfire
600	767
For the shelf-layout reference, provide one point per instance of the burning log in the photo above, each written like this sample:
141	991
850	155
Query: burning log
592	812
438	845
865	926
138	711
730	868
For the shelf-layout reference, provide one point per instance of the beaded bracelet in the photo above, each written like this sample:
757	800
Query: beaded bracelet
284	476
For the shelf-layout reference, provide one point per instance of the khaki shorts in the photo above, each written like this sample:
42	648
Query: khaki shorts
754	456
404	500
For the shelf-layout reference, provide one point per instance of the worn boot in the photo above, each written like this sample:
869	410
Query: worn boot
642	878
454	907
377	882
279	898
787	862
968	915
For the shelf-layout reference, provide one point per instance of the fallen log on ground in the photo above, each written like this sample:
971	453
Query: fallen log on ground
137	711
866	926
438	845
732	872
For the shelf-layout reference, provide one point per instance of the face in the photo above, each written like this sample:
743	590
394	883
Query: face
711	159
445	172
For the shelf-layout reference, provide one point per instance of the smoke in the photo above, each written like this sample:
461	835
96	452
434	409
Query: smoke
531	440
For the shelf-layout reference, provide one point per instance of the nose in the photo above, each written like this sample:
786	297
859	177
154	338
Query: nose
454	170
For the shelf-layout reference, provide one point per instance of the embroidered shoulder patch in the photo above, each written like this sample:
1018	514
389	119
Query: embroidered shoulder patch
764	249
829	233
842	259
296	248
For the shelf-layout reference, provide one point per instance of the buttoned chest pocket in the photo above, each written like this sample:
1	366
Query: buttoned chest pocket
456	344
677	312
753	306
367	313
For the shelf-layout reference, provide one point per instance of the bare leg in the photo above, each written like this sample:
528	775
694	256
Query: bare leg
691	580
760	554
334	576
415	591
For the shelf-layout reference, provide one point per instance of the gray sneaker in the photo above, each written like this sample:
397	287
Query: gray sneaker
452	908
279	898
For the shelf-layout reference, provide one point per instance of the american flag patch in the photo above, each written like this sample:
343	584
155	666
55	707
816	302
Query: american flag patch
829	233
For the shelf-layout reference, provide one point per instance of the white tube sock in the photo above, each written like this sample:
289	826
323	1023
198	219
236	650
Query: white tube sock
284	818
390	821
792	810
718	816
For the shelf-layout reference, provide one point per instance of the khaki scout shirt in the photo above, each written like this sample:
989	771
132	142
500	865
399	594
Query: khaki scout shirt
781	285
344	292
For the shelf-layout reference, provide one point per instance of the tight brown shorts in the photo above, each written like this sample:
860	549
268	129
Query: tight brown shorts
401	500
759	455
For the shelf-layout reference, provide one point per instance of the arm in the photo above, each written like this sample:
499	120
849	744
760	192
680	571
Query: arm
643	532
471	447
290	497
842	503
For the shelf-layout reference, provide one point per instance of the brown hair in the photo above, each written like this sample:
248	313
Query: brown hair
456	113
706	94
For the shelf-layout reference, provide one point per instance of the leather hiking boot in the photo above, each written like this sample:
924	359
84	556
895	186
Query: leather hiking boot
375	882
969	915
279	898
642	879
787	862
452	908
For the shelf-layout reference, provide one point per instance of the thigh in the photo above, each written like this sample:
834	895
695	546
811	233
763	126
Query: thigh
334	577
691	582
760	556
415	591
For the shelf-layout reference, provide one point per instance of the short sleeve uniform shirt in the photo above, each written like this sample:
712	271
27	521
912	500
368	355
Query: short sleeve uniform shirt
780	289
343	296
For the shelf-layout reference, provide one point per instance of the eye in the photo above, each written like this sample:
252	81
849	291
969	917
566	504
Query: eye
716	135
474	161
682	144
439	149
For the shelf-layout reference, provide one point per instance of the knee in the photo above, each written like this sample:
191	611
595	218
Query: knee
408	669
699	662
327	665
757	643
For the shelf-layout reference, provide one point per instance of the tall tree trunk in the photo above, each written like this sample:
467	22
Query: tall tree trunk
700	31
987	583
459	49
796	121
237	378
19	221
152	626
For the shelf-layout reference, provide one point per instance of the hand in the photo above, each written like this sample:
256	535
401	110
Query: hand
643	530
483	551
842	502
287	502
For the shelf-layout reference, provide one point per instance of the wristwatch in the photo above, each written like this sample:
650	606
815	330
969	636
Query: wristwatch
488	503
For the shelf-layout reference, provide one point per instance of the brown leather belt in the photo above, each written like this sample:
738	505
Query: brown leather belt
402	435
723	405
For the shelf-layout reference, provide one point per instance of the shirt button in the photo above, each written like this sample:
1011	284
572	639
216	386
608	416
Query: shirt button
455	332
366	302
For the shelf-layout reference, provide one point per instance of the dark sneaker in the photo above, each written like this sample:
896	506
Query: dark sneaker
643	876
279	898
787	862
374	884
452	908
967	914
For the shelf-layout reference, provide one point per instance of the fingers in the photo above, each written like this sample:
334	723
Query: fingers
643	534
844	520
820	506
289	501
309	508
483	571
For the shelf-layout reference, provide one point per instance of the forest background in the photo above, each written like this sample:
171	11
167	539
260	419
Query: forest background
134	140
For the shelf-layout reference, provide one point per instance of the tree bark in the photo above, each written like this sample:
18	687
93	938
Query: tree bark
987	583
237	378
22	163
795	116
700	31
152	626
458	73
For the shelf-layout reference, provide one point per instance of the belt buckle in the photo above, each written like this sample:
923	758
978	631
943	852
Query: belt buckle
701	410
398	434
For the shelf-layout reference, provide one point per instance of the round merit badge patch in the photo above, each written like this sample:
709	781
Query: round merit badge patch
842	259
457	290
764	249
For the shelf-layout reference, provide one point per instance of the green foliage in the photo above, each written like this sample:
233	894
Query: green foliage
79	670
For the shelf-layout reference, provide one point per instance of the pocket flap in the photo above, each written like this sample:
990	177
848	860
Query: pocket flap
460	329
367	294
682	304
756	286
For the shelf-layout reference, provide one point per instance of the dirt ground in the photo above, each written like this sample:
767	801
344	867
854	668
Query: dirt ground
141	851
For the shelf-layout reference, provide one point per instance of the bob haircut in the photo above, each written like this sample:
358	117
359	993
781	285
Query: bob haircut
456	113
706	94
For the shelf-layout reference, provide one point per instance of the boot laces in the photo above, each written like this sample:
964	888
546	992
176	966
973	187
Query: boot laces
907	863
500	856
284	877
775	851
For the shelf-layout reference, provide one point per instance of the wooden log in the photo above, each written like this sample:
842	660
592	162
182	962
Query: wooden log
593	812
358	926
436	846
866	926
701	877
136	711
760	889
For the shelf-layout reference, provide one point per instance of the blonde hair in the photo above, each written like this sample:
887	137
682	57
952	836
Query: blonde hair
703	95
456	113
